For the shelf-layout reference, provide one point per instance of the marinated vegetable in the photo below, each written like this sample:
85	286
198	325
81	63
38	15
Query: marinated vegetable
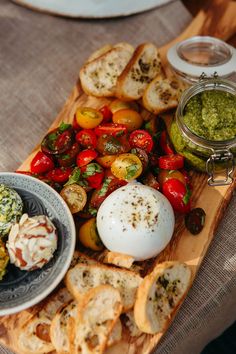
11	208
75	196
195	220
88	235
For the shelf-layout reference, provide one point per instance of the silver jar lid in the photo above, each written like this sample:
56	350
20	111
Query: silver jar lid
202	55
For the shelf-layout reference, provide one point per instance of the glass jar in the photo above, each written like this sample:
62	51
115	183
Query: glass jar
199	62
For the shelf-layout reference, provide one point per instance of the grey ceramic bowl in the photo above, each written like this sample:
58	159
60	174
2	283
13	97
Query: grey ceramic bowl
20	289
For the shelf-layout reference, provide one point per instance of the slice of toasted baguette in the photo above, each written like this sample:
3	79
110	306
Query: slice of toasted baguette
34	335
159	296
97	315
79	257
59	333
82	278
108	47
144	65
162	94
99	76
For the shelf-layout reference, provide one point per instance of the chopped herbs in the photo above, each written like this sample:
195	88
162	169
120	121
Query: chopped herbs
75	176
131	171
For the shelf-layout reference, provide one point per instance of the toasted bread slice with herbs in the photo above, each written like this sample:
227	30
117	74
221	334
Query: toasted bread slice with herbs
160	295
34	336
144	65
59	331
162	94
108	47
79	257
99	76
119	259
97	315
82	278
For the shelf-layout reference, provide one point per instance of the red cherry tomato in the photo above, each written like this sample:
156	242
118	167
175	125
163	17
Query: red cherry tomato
109	185
60	174
85	157
171	162
112	145
178	194
165	144
111	129
93	173
150	180
68	158
58	140
141	139
86	138
41	163
107	114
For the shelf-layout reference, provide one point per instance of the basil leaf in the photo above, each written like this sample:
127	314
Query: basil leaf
104	188
74	177
91	170
64	126
187	196
131	171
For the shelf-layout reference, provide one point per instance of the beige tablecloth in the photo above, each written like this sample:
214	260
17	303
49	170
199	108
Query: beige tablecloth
40	57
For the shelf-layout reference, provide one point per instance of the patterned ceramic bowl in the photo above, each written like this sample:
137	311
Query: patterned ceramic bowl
20	289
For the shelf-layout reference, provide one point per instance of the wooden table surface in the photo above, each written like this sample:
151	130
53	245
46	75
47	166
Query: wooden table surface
195	5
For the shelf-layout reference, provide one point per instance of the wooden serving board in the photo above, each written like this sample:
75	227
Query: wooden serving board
183	246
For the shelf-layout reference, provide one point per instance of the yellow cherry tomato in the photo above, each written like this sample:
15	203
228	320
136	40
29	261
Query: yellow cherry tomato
164	175
88	118
117	105
88	235
127	167
106	161
75	197
129	117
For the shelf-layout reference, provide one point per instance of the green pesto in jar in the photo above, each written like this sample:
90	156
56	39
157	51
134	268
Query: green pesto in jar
211	115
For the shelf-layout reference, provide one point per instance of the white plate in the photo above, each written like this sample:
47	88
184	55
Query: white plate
92	8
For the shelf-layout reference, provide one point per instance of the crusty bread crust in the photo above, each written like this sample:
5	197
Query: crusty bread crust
99	76
119	259
160	295
82	278
140	70
97	315
162	94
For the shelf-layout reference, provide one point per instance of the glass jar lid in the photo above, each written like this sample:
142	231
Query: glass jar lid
202	55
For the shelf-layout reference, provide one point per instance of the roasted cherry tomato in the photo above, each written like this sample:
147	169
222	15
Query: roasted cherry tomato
88	118
75	197
142	155
130	118
171	162
60	174
93	173
117	105
106	113
195	220
86	138
41	163
164	175
109	185
105	161
69	157
58	140
85	157
178	194
150	180
111	129
165	144
111	145
127	167
141	139
88	235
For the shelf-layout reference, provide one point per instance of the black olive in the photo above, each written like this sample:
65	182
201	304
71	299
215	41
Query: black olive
195	220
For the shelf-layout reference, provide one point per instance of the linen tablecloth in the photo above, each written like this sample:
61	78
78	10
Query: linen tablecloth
40	56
